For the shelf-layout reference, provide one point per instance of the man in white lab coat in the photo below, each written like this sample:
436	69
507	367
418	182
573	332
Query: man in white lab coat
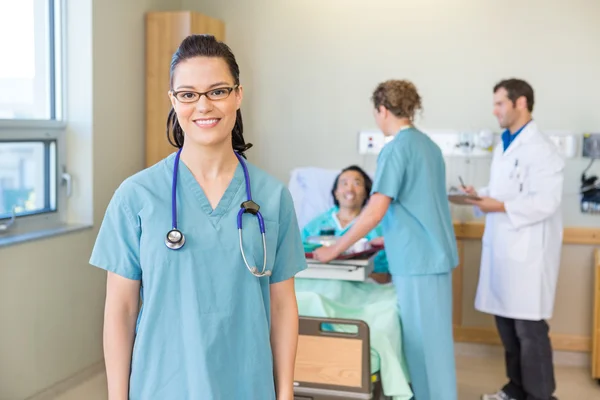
521	243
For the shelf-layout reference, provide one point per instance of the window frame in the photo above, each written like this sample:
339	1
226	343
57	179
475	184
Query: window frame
53	129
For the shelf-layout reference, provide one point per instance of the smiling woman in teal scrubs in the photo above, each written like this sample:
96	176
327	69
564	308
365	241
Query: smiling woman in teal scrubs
210	327
409	195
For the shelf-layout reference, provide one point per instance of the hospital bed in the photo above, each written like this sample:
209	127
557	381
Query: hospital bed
350	337
357	268
311	193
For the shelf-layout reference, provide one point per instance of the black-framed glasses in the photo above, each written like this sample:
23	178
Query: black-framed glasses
189	96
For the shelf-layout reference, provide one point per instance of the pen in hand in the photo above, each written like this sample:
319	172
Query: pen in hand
467	189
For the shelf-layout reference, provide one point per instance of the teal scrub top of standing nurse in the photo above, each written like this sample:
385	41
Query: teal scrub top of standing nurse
418	229
329	220
204	328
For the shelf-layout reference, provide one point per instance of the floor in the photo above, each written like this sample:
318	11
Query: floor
477	373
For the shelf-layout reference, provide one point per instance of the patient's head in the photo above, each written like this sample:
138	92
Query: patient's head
351	188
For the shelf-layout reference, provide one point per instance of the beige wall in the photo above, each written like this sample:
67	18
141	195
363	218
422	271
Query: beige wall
51	300
309	68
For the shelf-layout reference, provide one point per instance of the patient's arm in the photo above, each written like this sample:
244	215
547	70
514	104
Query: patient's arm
368	219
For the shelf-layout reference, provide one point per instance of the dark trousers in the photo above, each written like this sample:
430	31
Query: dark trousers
528	359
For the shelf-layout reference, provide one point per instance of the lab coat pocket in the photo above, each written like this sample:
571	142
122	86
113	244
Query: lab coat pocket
513	244
510	243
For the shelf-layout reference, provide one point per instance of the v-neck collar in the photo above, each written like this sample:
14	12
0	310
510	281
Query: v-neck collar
336	219
186	180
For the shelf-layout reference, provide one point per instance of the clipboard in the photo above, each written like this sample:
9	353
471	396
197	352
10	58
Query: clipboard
460	199
457	197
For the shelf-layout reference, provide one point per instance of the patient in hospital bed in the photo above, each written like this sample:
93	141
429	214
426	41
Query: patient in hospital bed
327	202
350	193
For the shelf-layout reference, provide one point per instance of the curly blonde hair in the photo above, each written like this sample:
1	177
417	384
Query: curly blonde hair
400	97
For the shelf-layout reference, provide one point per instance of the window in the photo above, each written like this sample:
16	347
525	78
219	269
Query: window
32	119
26	169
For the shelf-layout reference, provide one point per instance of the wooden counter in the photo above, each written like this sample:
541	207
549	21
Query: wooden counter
466	231
571	235
596	333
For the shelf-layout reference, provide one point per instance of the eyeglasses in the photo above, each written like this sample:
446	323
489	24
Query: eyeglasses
188	96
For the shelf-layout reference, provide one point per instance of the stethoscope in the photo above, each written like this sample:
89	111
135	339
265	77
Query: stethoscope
175	238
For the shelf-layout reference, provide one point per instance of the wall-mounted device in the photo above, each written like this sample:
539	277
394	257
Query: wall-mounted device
371	142
455	143
590	185
566	142
591	145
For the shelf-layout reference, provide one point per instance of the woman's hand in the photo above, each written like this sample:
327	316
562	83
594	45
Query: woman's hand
325	254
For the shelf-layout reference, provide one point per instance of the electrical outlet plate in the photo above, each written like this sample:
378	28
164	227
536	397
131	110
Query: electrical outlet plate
591	145
371	142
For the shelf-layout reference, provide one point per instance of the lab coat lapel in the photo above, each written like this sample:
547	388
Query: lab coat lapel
523	137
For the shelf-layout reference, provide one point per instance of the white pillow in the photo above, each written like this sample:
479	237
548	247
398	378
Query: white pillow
311	191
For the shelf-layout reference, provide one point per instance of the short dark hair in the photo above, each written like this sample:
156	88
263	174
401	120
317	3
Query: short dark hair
367	179
515	89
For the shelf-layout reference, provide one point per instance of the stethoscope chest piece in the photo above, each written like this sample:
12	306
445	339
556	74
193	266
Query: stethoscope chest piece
175	239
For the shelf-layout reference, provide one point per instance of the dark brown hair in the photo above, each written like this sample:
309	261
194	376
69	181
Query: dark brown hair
515	89
206	46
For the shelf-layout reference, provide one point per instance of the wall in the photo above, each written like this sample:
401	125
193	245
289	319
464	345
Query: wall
309	68
51	300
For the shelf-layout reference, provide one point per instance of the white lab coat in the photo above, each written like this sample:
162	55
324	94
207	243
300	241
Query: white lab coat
522	247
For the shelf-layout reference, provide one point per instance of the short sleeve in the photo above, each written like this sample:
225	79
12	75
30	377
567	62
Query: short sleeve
289	259
390	172
117	247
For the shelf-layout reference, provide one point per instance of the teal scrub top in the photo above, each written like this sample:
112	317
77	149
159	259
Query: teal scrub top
204	328
329	220
418	230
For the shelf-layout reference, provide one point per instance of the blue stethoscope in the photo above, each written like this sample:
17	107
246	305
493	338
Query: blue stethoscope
175	238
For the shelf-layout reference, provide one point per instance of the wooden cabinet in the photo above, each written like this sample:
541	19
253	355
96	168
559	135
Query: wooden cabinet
596	332
164	33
